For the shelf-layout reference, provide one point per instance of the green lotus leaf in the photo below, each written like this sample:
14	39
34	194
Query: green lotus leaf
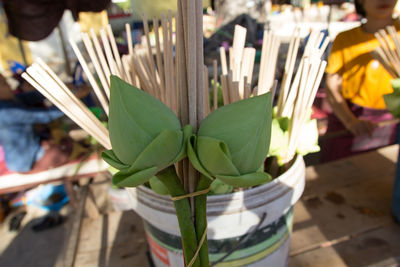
112	170
187	132
245	128
218	188
166	149
246	180
215	157
109	157
191	144
158	186
160	152
135	119
283	123
126	179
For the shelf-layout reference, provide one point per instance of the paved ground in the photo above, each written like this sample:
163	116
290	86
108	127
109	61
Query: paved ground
343	217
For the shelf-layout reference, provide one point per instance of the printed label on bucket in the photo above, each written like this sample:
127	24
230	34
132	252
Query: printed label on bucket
166	249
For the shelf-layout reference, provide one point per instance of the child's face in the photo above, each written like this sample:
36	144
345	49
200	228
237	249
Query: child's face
378	9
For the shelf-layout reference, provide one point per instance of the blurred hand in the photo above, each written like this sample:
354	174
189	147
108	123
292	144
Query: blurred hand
361	127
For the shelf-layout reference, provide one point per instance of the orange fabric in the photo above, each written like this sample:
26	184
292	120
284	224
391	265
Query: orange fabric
365	80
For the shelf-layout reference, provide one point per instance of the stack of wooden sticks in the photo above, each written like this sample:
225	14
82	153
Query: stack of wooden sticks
180	79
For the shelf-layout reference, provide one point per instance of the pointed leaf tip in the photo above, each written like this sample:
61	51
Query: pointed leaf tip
245	126
136	118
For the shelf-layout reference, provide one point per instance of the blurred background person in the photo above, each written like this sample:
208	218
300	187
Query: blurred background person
356	83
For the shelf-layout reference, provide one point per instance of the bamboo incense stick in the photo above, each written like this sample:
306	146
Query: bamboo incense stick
129	38
114	47
149	50
109	55
246	68
65	104
103	61
191	63
224	66
239	39
41	65
288	107
127	69
215	86
64	109
224	86
247	88
181	66
263	60
201	108
92	54
92	81
206	98
171	66
389	45
388	55
168	75
380	55
395	37
181	81
79	111
160	67
292	62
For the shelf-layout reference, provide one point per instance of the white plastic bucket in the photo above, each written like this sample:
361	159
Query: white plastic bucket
259	218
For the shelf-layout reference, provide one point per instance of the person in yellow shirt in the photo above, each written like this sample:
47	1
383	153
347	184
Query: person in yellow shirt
356	83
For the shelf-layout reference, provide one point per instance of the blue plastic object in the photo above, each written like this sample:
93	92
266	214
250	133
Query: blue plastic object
49	197
16	67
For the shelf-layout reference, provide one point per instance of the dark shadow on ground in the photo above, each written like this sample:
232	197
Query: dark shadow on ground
31	248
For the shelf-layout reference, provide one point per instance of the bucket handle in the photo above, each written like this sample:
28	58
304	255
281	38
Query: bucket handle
242	240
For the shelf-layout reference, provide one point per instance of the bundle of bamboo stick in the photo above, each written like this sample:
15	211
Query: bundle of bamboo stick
46	82
388	51
181	82
236	81
296	97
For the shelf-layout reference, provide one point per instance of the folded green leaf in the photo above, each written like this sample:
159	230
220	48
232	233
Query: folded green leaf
146	136
218	188
246	180
109	157
160	152
283	123
136	118
245	127
124	179
187	132
214	155
158	186
192	155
